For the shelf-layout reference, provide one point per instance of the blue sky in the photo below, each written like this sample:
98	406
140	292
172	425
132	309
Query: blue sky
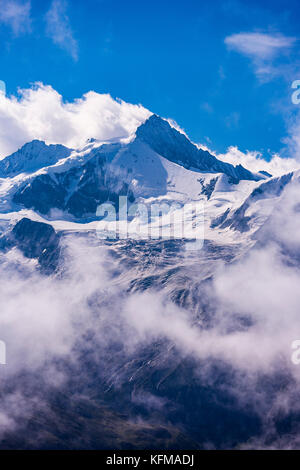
222	69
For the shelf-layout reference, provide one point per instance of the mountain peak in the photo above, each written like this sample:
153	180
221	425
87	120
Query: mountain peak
156	126
35	142
176	147
31	157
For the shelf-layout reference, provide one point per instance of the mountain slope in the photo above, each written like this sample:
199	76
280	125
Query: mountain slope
176	147
158	161
157	164
150	349
31	157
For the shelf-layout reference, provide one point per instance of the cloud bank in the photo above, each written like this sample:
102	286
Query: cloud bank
88	318
255	162
40	113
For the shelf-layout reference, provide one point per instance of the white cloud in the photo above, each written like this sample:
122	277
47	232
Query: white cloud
59	29
40	113
259	45
31	314
262	286
262	49
254	161
43	319
16	15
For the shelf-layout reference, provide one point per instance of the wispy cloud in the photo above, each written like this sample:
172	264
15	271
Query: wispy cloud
261	48
259	45
16	15
59	28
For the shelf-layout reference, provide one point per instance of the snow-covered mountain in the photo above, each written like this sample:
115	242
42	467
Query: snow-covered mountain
143	338
176	147
65	186
31	157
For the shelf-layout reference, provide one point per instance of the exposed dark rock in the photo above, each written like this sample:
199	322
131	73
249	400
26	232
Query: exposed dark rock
77	191
36	240
176	147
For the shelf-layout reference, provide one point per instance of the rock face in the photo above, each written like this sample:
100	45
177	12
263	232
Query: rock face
77	191
237	218
176	147
32	157
37	240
